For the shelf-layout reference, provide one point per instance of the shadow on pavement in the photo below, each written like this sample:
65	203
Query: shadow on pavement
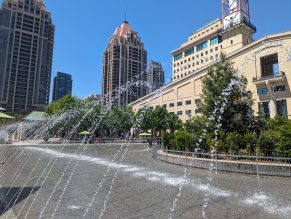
8	197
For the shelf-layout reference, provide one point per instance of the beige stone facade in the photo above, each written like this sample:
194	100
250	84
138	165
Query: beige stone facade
266	63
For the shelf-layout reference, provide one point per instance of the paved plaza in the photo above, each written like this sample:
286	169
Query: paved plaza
125	181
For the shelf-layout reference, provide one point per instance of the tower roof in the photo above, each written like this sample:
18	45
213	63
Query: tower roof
122	30
38	2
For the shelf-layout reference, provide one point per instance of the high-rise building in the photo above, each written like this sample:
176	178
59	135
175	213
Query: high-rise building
155	76
123	61
26	45
62	86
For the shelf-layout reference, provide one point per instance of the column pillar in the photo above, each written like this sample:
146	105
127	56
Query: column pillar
273	108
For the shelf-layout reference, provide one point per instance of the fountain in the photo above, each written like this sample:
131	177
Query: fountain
53	170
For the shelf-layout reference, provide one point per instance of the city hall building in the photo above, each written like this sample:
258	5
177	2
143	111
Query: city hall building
266	63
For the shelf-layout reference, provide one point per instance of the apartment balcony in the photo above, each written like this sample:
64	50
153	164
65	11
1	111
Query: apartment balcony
277	77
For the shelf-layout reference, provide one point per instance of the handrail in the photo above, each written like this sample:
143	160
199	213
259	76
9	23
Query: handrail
229	155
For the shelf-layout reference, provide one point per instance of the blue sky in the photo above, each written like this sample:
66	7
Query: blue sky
84	26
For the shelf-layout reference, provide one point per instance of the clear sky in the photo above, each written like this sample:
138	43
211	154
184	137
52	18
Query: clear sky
84	26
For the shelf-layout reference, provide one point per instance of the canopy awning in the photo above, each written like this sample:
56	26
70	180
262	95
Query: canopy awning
5	116
85	133
35	116
2	109
144	134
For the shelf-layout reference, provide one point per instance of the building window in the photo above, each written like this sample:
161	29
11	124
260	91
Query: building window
216	48
231	42
280	88
202	46
197	111
189	51
188	112
165	105
211	50
171	105
198	101
178	56
264	110
179	104
215	40
282	108
270	65
179	113
193	58
262	91
188	102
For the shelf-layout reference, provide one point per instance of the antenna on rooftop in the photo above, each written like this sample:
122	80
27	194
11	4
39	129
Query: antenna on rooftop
235	12
125	14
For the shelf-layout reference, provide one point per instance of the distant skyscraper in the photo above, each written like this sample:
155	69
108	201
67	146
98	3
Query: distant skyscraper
26	51
62	86
155	76
124	60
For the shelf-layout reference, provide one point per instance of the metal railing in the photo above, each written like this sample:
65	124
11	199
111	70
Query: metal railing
256	165
268	77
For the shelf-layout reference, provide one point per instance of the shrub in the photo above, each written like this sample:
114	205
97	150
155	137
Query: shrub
234	142
169	140
251	139
183	140
266	142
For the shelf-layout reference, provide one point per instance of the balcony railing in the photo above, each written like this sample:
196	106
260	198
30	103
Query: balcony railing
274	77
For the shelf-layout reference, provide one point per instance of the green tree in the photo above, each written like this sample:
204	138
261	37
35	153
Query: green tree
63	105
119	121
157	119
173	122
144	118
226	99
